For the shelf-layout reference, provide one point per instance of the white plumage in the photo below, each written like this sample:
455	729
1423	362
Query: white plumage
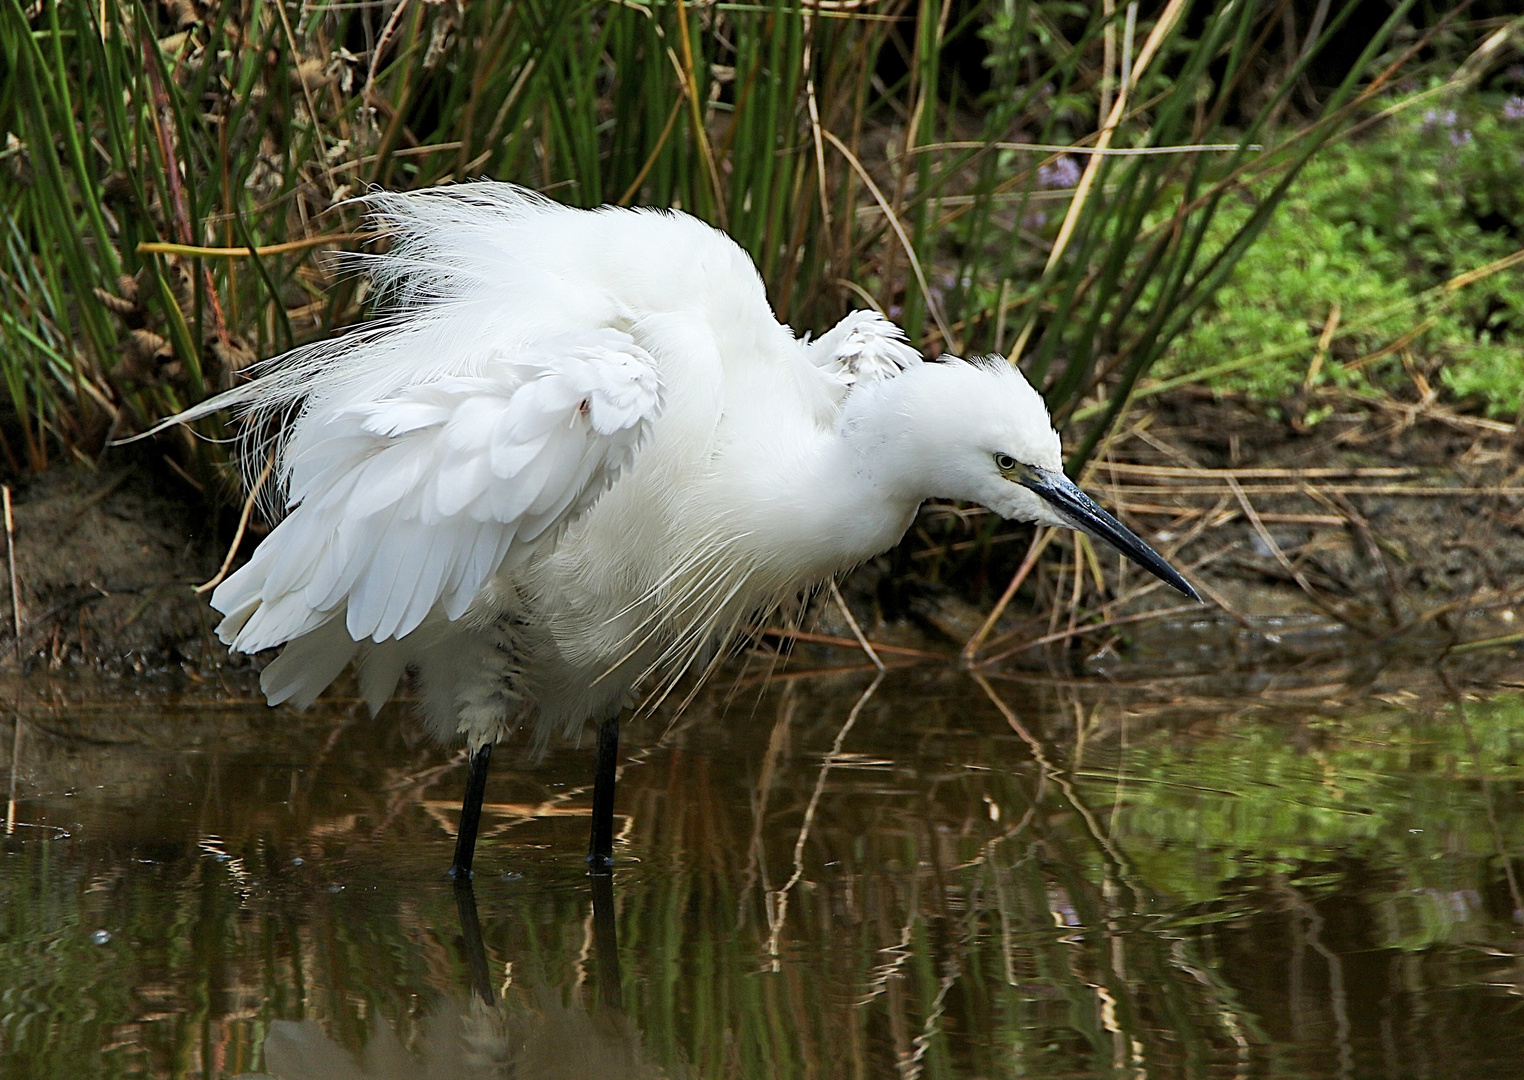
578	448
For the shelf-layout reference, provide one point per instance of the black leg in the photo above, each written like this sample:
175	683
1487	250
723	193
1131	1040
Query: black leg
471	938
606	942
600	850
471	813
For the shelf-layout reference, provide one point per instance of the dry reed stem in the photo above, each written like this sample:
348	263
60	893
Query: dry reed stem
10	804
1103	151
1486	643
197	251
848	643
1151	585
1325	339
1187	513
1410	491
1221	601
650	162
296	57
1077	586
1156	36
831	672
1414	411
379	50
10	559
243	524
1280	556
1356	521
1061	635
814	114
1040	540
689	78
899	231
1258	473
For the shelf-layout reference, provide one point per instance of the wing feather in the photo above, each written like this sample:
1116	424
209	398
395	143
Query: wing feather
293	569
428	584
465	541
569	501
382	479
409	504
378	584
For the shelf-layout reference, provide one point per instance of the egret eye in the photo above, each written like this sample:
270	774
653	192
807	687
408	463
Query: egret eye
1005	462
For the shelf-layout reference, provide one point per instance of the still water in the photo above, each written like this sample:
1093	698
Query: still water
1214	872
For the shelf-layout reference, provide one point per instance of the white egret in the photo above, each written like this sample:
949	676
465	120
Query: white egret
579	448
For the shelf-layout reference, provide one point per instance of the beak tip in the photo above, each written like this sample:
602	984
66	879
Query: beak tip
1081	512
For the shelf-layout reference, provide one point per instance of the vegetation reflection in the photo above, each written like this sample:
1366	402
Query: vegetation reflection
925	877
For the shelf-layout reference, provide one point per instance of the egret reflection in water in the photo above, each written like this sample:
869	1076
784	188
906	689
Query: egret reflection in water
469	1040
496	1033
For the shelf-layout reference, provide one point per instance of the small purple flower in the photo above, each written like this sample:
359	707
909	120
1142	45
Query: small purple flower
1034	220
1438	118
1513	108
1063	173
1460	138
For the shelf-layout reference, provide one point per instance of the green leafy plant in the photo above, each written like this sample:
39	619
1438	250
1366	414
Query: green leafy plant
1393	245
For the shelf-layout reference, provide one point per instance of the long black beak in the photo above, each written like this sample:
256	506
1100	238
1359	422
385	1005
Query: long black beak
1059	492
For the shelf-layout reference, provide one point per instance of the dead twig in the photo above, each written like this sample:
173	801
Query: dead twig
848	643
1297	576
1258	473
10	805
1061	635
1040	540
857	631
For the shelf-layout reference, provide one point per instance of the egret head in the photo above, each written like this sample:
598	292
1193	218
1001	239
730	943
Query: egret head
979	432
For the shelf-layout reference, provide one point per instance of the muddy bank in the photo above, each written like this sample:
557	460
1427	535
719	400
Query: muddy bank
107	562
1387	521
1381	510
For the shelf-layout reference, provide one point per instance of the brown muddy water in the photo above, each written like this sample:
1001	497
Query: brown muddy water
1217	863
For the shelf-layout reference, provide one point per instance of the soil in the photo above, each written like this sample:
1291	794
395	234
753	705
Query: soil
1367	553
106	562
107	559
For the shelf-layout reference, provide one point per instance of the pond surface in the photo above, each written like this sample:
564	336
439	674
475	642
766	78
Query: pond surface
1223	873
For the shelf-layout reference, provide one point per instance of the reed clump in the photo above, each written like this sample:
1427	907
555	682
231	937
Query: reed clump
1032	178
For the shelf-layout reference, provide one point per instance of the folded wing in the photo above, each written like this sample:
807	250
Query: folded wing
410	504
